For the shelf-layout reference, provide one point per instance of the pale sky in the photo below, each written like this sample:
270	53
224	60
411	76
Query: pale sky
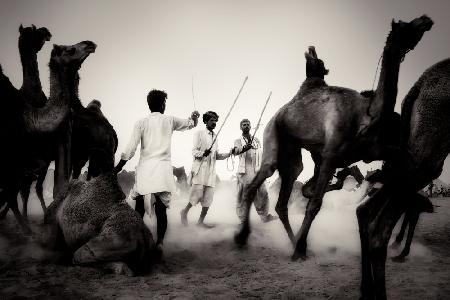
144	45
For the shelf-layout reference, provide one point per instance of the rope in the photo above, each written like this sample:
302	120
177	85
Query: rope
376	71
231	157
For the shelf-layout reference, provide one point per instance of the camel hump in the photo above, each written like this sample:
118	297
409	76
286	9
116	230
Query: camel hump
95	107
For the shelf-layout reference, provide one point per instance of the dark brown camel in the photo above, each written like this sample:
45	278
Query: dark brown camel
339	126
93	137
20	122
425	144
31	41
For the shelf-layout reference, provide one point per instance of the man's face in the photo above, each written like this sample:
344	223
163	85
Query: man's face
211	123
245	127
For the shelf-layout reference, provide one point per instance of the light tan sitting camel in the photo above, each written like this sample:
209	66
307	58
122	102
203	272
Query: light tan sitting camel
95	226
425	144
339	126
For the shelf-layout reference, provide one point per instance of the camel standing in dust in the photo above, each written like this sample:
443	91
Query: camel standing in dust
339	126
31	41
93	138
425	144
21	123
93	223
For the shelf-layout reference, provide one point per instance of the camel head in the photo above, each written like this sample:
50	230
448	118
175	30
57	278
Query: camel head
314	65
70	58
32	39
405	36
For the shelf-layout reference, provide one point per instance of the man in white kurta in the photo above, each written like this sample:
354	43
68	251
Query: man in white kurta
249	152
203	172
154	174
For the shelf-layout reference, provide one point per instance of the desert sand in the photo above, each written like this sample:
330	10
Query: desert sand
205	264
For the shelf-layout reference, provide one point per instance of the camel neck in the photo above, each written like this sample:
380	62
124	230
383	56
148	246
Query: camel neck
63	88
31	84
386	91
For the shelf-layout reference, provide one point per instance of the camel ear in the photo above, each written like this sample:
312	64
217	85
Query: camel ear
32	26
20	28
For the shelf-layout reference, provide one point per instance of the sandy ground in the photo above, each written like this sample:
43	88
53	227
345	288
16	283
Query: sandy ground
205	264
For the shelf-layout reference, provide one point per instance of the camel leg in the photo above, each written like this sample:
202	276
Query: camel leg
289	168
4	212
39	189
413	218
401	233
11	196
63	160
106	250
313	207
377	218
25	187
308	188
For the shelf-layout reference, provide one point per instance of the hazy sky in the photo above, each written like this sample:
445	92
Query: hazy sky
144	45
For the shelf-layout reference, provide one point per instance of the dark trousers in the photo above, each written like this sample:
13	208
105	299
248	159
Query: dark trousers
161	215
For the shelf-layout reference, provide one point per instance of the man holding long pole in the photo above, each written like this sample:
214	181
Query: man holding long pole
249	150
204	168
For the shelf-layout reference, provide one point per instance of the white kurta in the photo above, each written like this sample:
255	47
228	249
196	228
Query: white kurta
154	171
204	168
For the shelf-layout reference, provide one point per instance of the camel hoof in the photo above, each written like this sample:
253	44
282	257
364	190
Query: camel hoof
299	256
120	268
398	259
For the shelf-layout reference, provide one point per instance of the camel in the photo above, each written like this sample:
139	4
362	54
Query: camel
93	137
339	126
31	41
93	224
425	144
21	123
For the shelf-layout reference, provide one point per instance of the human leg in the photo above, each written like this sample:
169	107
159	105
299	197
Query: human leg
206	201
194	197
161	218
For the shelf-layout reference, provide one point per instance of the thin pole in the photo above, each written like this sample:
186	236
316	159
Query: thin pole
193	97
260	117
226	117
228	114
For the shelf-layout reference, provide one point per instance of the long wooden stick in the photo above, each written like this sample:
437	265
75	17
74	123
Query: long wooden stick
228	114
260	116
226	117
193	97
